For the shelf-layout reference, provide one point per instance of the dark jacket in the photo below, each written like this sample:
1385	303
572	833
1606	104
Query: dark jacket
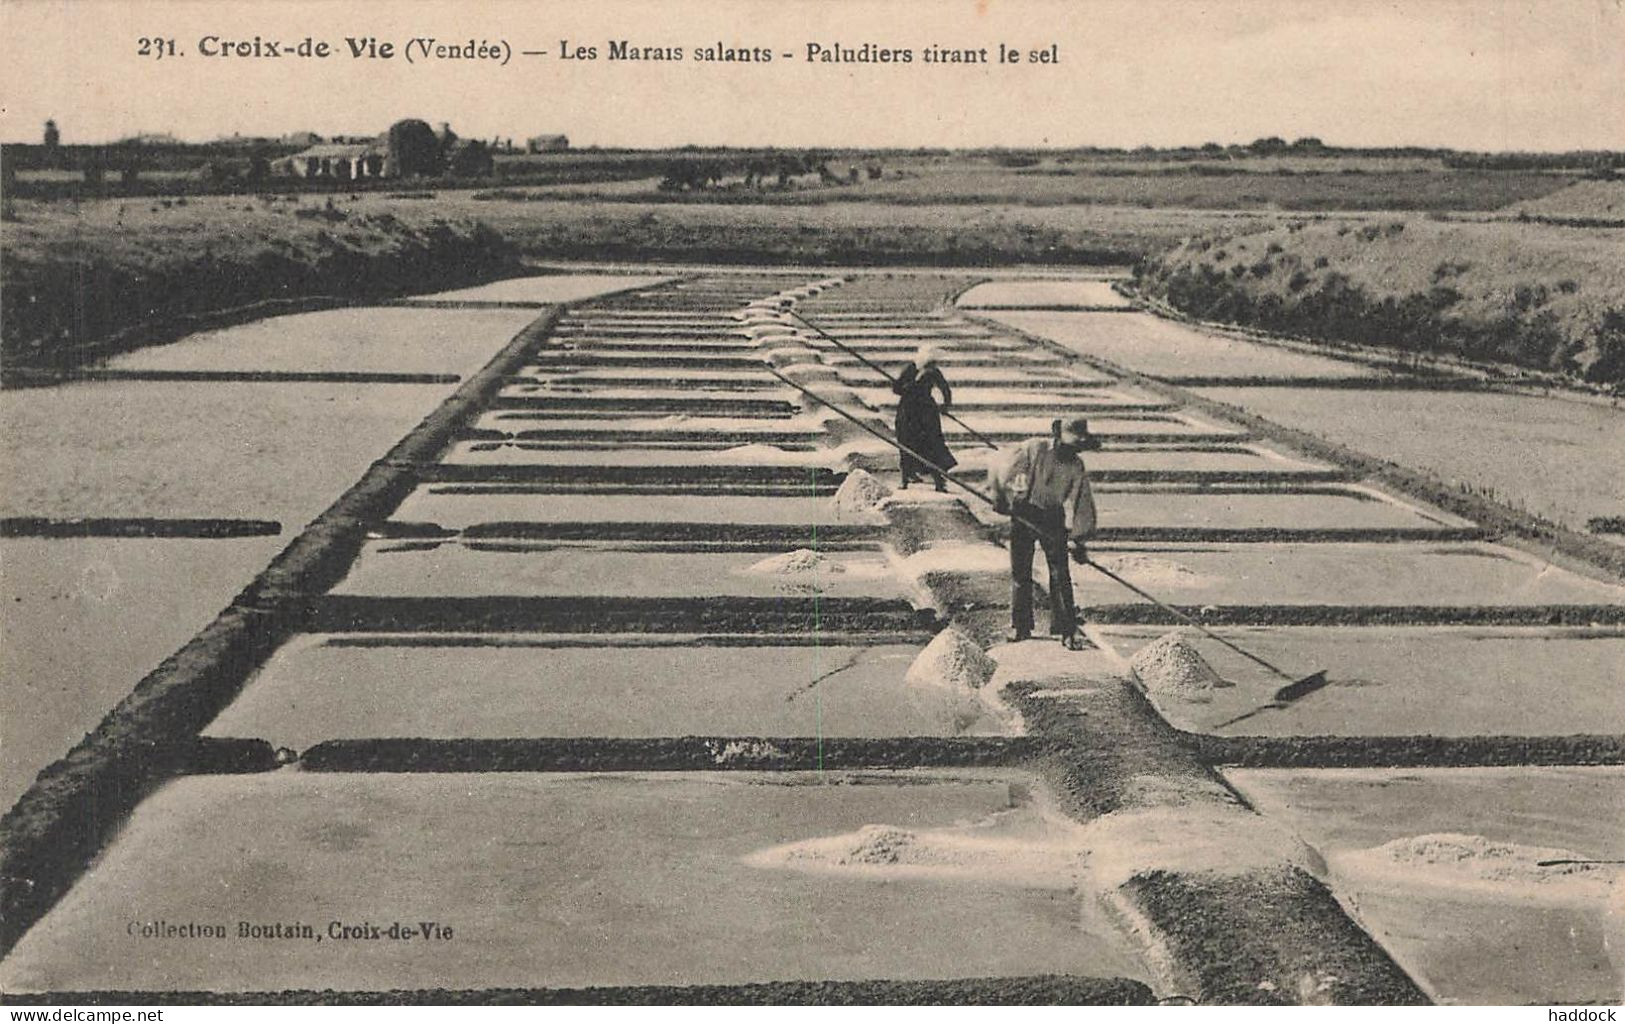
919	422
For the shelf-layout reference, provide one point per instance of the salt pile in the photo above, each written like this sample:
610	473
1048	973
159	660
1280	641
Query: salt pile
801	560
878	844
948	682
859	492
1171	666
1016	847
1473	858
952	661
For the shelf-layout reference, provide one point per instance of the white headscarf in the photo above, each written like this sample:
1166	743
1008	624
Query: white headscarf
926	356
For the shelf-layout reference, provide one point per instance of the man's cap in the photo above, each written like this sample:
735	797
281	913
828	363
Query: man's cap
1076	428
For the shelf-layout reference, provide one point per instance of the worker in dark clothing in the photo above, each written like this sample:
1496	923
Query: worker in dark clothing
1044	488
919	421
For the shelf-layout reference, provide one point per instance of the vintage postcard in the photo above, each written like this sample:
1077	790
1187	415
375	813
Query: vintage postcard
835	502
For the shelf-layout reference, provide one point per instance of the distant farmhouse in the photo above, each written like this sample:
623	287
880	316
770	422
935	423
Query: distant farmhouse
409	149
547	143
337	160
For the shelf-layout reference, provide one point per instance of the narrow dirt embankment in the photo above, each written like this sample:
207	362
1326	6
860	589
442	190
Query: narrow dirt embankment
1531	295
87	280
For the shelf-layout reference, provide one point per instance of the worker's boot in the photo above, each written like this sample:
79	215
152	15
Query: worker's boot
1076	641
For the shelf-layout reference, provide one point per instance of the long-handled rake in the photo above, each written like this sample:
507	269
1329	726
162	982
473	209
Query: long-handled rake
866	361
1295	688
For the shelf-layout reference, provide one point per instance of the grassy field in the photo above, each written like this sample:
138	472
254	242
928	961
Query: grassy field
1545	296
1261	184
78	272
1219	188
1601	200
867	233
75	275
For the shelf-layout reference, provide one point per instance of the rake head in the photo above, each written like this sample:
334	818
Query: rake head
1301	687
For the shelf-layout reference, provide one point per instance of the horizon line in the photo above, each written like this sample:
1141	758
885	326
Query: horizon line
1289	147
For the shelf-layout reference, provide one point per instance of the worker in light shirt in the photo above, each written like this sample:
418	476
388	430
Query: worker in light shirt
1042	485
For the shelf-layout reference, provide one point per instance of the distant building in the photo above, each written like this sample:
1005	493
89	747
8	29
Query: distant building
150	139
409	149
336	161
303	139
53	137
547	143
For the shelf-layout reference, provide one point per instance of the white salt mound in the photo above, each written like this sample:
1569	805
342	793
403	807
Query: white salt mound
952	661
878	844
801	560
859	492
1012	847
1478	859
1171	666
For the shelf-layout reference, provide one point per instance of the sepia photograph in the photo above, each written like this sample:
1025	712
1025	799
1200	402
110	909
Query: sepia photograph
863	503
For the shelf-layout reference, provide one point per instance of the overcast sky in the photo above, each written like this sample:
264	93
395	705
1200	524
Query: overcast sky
1471	74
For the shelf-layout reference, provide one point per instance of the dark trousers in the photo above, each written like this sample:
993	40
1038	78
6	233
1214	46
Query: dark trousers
1063	612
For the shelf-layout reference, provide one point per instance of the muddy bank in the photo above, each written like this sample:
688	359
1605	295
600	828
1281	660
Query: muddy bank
688	753
1491	291
1273	938
1407	751
87	291
793	614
